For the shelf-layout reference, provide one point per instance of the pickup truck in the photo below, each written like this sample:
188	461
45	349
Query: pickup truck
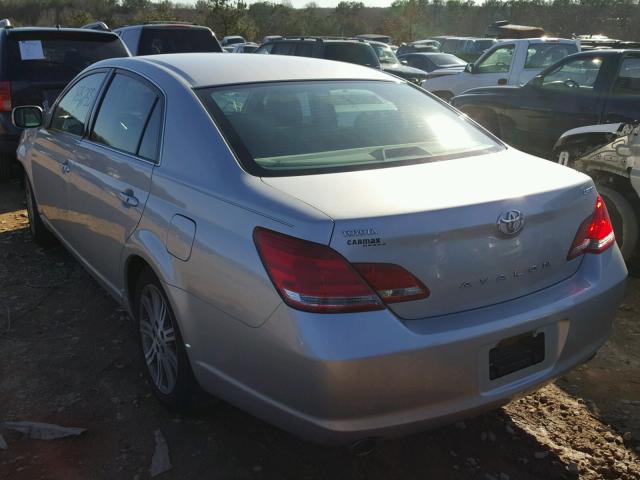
587	88
510	62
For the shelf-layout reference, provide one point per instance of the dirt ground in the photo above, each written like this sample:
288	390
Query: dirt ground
68	356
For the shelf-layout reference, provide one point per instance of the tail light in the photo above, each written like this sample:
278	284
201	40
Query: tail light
595	234
316	278
392	282
5	97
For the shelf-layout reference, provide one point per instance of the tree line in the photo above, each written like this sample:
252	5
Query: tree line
404	20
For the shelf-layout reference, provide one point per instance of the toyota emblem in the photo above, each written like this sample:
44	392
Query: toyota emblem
510	223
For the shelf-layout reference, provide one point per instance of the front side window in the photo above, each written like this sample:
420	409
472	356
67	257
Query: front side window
543	55
312	127
498	61
72	112
124	113
628	81
579	73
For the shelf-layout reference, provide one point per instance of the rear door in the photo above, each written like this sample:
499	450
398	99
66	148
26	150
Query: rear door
623	101
56	146
111	174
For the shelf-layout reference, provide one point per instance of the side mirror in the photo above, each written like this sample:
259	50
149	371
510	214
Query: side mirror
469	68
27	117
404	62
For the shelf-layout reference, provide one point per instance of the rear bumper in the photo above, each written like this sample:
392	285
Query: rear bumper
340	378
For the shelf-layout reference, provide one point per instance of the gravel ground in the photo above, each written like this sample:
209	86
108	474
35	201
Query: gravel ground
68	356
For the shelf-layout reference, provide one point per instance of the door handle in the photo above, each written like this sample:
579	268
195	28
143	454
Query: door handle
66	168
127	197
502	81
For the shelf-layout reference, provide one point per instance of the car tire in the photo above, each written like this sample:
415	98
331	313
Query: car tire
39	231
624	219
6	166
162	349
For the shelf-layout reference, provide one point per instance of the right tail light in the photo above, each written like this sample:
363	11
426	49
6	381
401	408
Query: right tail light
595	234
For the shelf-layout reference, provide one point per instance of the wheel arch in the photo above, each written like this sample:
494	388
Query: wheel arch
145	250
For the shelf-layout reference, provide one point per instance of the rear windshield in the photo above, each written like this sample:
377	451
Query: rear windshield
177	40
299	128
359	53
58	57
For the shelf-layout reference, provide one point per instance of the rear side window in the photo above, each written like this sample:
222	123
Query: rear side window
58	57
358	53
284	48
72	112
124	114
543	55
297	128
155	41
628	81
305	49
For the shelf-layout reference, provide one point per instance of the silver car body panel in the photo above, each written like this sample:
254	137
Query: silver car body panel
337	377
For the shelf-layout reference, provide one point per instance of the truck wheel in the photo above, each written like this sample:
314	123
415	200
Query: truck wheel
624	219
6	166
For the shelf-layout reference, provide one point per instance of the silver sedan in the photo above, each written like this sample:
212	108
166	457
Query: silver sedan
321	244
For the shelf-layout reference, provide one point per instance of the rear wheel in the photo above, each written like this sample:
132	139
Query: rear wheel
166	363
40	233
623	218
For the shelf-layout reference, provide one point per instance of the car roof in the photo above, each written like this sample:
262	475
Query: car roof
213	69
80	31
172	25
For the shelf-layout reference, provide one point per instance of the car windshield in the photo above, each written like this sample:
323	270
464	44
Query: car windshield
58	57
177	40
443	59
385	54
359	53
314	127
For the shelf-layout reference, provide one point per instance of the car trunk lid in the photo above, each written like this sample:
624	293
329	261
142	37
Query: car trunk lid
440	222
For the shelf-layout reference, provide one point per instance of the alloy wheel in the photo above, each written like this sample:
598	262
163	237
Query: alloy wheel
158	339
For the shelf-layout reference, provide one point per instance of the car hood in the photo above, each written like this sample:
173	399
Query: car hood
446	71
402	70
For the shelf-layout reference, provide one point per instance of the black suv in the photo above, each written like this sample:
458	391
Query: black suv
155	38
35	66
340	49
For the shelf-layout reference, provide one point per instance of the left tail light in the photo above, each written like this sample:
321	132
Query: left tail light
595	234
316	278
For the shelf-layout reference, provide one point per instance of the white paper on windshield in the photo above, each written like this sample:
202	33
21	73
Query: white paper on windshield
31	50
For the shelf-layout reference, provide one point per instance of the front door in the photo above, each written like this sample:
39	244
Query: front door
111	174
567	97
55	149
